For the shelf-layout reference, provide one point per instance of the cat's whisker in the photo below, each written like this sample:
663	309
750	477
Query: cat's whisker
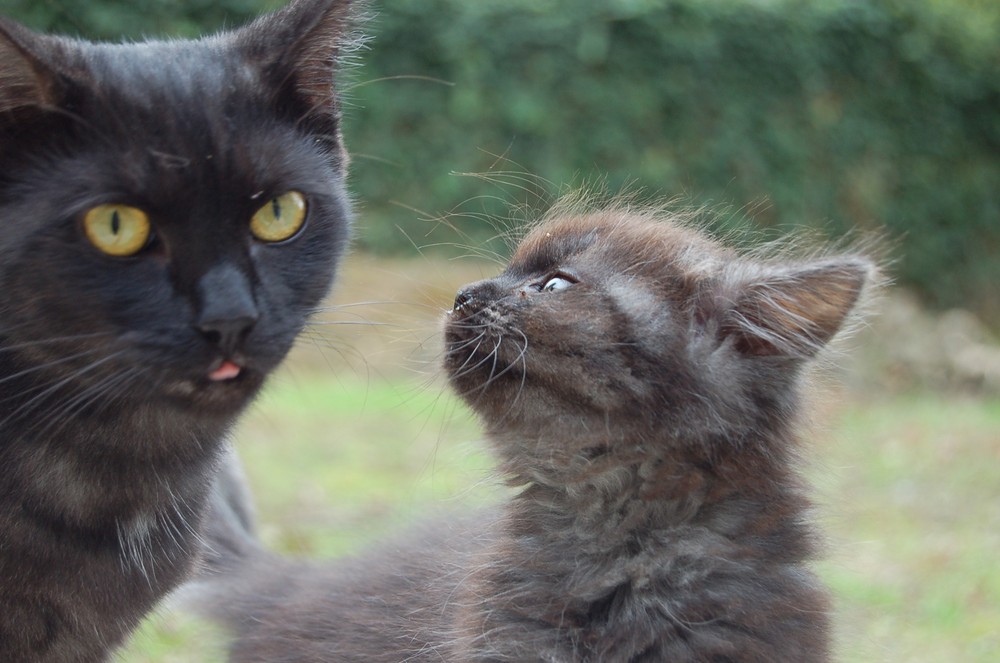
371	302
90	395
399	77
113	386
322	343
363	323
48	341
47	365
32	404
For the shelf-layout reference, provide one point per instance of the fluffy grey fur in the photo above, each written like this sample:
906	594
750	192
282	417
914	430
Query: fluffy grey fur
639	383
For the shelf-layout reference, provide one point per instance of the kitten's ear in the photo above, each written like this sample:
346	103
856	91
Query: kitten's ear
795	311
298	48
26	80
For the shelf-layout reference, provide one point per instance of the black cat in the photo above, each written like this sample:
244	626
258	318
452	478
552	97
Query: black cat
172	212
640	384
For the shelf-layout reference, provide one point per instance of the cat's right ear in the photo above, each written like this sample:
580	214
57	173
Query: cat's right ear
298	49
26	79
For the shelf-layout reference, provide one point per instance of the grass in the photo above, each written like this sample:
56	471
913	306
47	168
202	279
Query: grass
356	437
912	487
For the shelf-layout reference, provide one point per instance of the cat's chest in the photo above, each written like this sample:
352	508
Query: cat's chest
118	486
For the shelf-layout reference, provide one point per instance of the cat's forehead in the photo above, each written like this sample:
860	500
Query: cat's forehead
162	75
156	117
617	240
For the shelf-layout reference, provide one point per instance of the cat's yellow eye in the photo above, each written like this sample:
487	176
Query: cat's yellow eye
280	218
118	230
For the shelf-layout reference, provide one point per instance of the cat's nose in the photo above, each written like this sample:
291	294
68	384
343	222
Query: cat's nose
228	311
227	333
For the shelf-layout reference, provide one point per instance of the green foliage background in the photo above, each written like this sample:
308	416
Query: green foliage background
836	114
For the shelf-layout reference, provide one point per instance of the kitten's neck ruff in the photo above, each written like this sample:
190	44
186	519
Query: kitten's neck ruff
612	494
634	524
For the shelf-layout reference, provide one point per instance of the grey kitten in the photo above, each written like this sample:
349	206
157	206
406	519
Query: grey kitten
171	213
640	384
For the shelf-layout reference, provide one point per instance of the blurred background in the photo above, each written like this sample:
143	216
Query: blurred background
466	117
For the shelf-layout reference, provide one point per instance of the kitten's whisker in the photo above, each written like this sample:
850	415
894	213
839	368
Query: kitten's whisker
495	356
522	359
511	366
478	341
504	371
465	344
481	328
475	367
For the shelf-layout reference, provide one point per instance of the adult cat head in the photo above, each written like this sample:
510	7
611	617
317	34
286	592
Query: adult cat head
170	212
630	325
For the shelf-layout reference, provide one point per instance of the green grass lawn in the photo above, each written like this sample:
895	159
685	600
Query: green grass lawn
357	437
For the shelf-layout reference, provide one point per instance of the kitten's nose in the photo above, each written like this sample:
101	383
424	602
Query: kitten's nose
228	311
480	293
463	298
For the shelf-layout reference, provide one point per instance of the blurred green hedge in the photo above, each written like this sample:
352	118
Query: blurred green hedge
830	113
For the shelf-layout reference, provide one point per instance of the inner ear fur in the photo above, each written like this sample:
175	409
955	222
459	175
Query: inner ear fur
794	311
298	49
26	80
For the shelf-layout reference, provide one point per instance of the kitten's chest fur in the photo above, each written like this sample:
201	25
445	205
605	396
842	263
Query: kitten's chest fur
636	560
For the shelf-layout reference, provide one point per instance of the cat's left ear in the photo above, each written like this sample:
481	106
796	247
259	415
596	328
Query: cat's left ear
26	79
793	311
297	50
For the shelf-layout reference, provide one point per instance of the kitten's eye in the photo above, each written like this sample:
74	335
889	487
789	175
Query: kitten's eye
118	230
557	283
280	218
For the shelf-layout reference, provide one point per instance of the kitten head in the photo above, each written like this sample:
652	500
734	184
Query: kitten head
171	211
634	326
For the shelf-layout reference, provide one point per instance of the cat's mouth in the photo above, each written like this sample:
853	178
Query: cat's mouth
224	384
227	374
225	371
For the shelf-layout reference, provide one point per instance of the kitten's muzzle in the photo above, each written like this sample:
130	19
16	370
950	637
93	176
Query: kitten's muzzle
463	299
478	293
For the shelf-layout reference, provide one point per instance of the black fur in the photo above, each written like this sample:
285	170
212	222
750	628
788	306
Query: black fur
110	428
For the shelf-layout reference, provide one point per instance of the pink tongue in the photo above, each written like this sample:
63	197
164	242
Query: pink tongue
227	371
